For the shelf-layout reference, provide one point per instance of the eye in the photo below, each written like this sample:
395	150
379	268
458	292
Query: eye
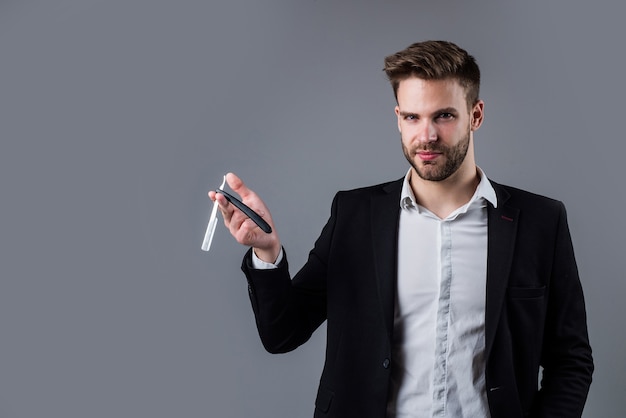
445	116
410	117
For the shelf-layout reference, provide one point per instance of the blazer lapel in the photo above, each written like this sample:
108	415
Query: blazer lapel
502	229
384	220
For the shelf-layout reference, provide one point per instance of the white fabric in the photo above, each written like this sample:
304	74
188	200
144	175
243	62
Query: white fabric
438	359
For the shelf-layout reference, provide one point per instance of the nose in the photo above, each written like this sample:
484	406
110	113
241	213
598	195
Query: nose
427	132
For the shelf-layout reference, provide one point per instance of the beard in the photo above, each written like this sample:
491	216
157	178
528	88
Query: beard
453	157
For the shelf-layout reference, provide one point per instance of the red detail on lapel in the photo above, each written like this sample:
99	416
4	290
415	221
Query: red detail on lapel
506	218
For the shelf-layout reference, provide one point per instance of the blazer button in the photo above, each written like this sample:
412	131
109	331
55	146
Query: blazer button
386	363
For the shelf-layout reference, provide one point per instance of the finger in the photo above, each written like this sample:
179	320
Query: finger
223	203
238	186
225	208
248	197
240	230
240	223
221	200
247	233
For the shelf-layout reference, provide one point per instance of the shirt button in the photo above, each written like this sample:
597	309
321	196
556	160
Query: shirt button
386	363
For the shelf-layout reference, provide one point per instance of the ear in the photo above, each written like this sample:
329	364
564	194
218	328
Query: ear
477	115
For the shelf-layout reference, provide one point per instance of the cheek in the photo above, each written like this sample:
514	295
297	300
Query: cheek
405	135
451	133
406	129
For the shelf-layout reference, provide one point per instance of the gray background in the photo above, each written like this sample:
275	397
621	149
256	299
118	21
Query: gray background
116	117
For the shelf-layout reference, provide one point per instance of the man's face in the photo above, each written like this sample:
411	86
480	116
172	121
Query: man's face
436	126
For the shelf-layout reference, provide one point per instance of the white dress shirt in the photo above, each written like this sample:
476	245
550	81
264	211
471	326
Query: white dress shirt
438	363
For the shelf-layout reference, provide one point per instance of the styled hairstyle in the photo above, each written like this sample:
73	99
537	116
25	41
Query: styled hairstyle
435	60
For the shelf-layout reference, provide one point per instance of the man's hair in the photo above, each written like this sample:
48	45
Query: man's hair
435	60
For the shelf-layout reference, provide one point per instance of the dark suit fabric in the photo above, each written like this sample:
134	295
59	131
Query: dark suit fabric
534	316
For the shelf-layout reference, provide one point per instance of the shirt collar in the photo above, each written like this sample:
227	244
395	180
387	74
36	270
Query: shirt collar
483	191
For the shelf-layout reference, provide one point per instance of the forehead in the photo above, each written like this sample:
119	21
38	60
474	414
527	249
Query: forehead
415	93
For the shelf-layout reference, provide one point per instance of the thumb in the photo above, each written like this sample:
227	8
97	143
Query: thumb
238	185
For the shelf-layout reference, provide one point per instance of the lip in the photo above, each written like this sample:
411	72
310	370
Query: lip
427	155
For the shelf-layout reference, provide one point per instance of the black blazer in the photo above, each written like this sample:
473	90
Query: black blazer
534	315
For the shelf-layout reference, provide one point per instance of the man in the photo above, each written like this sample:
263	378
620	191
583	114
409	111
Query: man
444	292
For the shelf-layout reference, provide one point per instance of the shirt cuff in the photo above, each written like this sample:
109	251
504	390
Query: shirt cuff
259	264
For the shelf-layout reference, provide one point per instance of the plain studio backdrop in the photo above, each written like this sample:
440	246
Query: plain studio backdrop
117	117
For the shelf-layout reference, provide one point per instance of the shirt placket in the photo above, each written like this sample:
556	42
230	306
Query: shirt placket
443	321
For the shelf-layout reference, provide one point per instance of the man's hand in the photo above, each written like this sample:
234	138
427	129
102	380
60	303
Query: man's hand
243	229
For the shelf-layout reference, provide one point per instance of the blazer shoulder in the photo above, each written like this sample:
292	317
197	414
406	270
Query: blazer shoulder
392	187
522	199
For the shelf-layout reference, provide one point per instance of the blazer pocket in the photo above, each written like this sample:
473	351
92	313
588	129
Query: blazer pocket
526	292
323	400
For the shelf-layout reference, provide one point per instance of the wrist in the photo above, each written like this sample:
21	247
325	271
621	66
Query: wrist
268	255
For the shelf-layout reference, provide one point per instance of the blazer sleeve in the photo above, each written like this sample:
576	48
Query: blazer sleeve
566	355
287	311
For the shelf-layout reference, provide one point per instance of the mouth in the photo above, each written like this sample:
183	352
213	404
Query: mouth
428	155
